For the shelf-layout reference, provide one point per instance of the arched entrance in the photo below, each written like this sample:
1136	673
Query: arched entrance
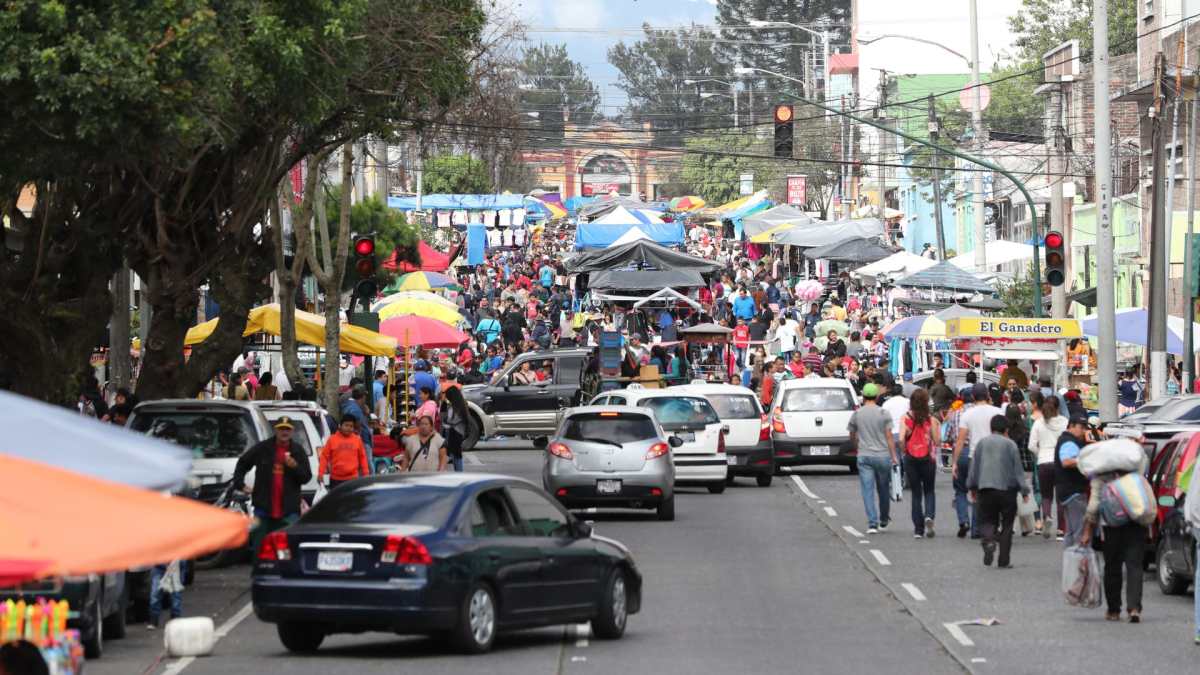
604	173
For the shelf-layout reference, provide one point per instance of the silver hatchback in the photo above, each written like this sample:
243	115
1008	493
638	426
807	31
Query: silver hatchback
611	455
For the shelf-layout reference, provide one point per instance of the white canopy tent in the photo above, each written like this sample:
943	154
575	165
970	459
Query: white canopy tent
624	216
998	253
630	236
898	264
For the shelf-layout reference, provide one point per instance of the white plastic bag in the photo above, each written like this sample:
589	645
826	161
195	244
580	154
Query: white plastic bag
320	493
1026	508
1081	577
1117	454
897	484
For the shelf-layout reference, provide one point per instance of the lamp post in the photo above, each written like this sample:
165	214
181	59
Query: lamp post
822	35
732	94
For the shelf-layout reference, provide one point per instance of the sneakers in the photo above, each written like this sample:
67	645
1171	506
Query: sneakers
988	553
871	530
962	531
929	528
1060	538
883	527
1135	616
918	535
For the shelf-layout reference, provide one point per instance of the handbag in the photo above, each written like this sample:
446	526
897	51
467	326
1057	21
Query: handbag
897	487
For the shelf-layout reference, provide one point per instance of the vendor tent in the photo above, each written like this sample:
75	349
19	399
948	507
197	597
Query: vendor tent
604	206
1131	329
820	233
645	280
432	260
859	250
900	263
945	276
631	235
310	330
774	217
639	255
625	216
616	224
998	252
455	202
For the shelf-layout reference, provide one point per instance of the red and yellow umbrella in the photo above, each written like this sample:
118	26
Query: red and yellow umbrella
411	329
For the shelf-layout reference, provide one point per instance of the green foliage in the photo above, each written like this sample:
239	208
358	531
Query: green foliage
556	84
781	50
1041	25
456	174
711	166
1018	295
1014	107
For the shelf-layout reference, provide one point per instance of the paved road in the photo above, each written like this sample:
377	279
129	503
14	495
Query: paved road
758	580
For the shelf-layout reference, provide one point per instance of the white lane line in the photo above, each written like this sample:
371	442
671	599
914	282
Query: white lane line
582	630
880	557
957	633
804	488
853	532
914	592
830	512
820	501
221	631
470	458
591	509
863	541
978	659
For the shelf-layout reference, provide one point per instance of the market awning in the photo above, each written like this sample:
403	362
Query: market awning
819	233
859	250
774	219
997	252
644	280
899	263
638	255
310	330
945	276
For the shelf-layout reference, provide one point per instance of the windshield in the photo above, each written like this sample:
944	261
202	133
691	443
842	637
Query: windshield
734	406
401	503
681	410
614	427
208	434
817	399
1182	410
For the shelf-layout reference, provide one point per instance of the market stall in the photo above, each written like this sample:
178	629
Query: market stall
1039	341
707	350
310	330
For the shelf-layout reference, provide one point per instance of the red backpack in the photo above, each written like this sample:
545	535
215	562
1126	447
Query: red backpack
917	438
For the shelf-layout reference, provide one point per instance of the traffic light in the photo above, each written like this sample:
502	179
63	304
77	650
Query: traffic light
784	115
1193	249
1056	271
364	267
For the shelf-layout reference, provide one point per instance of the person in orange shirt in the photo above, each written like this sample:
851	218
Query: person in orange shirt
343	457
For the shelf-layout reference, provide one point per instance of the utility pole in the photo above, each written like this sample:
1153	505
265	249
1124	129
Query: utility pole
382	177
934	129
1156	318
1189	265
1058	220
119	366
1106	304
1170	206
977	123
420	168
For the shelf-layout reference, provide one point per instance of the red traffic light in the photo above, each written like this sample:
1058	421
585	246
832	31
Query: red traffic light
1054	240
783	113
364	246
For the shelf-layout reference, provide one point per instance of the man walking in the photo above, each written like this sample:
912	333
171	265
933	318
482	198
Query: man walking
994	478
871	431
280	468
973	427
1071	486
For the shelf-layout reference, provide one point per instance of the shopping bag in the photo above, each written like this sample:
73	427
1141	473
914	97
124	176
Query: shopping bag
1081	577
1117	454
320	493
897	484
1026	508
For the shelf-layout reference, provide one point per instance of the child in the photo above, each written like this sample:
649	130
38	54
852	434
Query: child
343	457
168	579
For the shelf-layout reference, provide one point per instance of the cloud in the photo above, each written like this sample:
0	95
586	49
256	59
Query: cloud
588	14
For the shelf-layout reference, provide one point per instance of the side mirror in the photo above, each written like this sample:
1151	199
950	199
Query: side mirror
675	441
583	530
541	442
1166	501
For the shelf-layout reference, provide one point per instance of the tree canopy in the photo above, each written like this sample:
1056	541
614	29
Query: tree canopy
557	88
1041	25
714	162
456	174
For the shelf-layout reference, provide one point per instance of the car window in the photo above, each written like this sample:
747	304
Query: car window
301	436
673	410
817	399
1161	461
491	516
207	433
1169	476
609	426
734	406
400	503
600	400
1185	409
539	516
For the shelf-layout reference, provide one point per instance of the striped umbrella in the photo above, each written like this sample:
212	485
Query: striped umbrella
416	296
690	203
419	330
426	308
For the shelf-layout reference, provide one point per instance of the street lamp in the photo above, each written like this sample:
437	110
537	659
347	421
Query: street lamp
867	41
732	94
822	35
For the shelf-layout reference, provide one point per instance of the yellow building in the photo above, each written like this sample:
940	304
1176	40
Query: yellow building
601	159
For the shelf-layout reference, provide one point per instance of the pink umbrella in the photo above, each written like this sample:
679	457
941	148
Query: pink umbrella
418	330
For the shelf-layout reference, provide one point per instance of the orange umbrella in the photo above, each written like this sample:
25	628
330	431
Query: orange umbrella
80	525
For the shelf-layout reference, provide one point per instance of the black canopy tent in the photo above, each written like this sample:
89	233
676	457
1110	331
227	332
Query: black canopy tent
858	250
644	280
638	255
946	276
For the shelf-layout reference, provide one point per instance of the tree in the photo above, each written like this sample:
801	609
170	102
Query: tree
391	229
1042	25
1018	294
713	163
558	89
456	174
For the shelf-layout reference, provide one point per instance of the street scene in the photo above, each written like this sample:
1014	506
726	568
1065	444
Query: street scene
511	336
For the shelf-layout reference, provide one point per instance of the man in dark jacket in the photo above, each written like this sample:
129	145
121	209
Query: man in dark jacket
280	469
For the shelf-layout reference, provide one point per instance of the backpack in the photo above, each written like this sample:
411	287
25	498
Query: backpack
1128	499
918	438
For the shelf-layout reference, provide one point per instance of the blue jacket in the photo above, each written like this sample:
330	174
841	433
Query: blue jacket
743	307
424	378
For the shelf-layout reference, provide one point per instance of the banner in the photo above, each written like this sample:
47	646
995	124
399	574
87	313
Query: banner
796	190
1036	329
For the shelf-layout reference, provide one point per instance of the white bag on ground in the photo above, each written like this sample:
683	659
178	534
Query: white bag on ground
1117	454
192	636
1081	577
897	484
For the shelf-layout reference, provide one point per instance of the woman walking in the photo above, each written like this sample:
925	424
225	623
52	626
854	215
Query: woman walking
920	437
1042	440
454	424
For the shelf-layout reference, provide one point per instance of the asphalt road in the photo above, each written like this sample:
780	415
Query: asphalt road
753	580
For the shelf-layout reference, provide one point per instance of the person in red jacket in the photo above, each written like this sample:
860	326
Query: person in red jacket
343	457
741	341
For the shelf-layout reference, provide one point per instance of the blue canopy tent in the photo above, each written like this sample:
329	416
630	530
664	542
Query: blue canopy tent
612	227
735	216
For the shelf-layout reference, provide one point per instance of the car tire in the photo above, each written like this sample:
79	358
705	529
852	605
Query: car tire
763	479
729	480
477	620
666	509
93	646
114	624
609	623
474	432
302	638
716	488
1168	582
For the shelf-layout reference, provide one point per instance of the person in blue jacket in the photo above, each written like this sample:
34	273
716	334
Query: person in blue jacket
743	305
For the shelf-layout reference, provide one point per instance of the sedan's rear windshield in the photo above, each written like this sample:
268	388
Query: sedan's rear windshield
1183	410
734	406
817	399
399	503
676	410
208	434
615	427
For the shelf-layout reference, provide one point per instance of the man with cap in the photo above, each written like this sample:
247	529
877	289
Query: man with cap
280	469
1070	485
871	431
974	426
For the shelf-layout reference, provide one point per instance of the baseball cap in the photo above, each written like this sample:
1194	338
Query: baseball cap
870	390
284	423
1078	419
980	391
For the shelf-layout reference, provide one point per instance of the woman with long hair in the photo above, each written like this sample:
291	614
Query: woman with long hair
921	439
1043	438
454	424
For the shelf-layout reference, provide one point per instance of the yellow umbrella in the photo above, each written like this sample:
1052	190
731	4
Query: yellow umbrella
426	308
419	296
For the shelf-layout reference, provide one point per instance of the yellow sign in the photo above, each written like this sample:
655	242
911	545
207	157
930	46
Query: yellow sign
999	327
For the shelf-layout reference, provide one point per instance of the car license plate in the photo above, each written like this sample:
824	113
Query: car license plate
818	450
732	460
608	487
687	436
335	561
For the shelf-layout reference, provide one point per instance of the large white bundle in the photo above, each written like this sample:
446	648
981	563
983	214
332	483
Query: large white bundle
192	636
1117	454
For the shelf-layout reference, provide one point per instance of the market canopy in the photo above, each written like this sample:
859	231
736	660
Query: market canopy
741	203
639	255
432	260
926	327
684	204
411	329
631	235
310	330
644	280
603	206
855	251
456	202
1131	329
819	233
599	235
899	263
625	216
998	252
773	218
945	276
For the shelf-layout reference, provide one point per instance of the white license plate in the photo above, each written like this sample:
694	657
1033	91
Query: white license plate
608	487
818	449
335	561
687	436
732	460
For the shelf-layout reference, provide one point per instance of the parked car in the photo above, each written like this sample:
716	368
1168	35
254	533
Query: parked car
809	420
611	456
458	554
310	409
100	603
748	445
307	435
701	458
506	406
1171	540
956	378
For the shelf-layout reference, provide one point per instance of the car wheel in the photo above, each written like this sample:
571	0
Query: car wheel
763	479
1168	582
729	480
476	628
93	647
610	621
114	624
300	637
666	510
474	432
717	487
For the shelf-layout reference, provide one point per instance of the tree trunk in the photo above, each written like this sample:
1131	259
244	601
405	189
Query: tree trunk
331	278
289	280
120	371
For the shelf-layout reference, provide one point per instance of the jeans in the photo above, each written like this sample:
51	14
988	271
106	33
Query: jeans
176	598
875	481
1124	546
921	473
740	353
964	508
267	525
1074	508
370	460
997	510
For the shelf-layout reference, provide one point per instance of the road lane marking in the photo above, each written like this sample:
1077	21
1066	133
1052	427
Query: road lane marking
470	458
223	630
820	501
804	488
880	557
863	541
853	532
591	509
914	592
957	633
830	512
978	659
179	665
582	630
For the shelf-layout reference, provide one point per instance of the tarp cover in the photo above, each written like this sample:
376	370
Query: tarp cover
901	263
821	233
432	260
625	216
857	250
639	254
310	329
599	235
998	252
644	280
946	276
774	217
451	202
602	206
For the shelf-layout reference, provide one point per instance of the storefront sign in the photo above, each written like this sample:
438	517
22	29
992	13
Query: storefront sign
591	189
796	189
999	327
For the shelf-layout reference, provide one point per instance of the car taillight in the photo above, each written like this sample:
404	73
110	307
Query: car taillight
721	443
404	551
560	450
275	547
764	431
657	450
777	421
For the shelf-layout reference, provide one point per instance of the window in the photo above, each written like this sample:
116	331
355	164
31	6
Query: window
401	503
735	407
207	434
539	516
679	412
615	427
490	516
817	399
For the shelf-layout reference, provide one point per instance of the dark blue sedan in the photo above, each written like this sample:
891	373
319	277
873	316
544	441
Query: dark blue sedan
451	554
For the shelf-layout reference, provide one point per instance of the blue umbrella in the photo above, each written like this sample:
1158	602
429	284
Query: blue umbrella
62	438
1131	328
